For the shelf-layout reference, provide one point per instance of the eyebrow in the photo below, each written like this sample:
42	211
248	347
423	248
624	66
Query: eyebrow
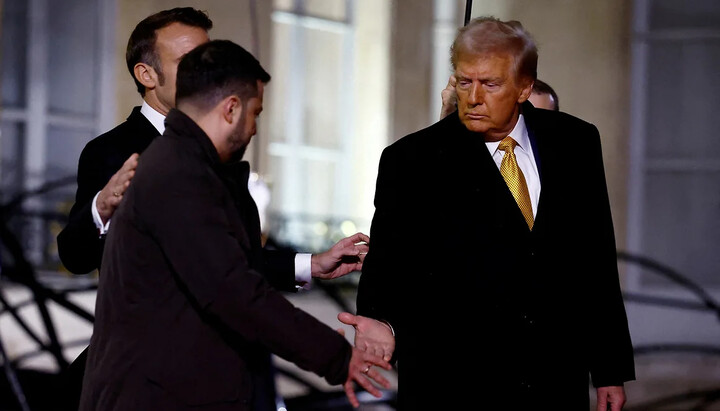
480	79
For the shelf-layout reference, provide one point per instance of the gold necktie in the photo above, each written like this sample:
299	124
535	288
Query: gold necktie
515	179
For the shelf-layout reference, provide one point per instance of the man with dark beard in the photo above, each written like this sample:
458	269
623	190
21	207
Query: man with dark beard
184	319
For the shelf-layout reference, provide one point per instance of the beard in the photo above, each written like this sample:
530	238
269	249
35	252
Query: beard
239	138
238	155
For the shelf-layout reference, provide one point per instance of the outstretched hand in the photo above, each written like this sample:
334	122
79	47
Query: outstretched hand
346	256
111	195
361	371
449	98
371	335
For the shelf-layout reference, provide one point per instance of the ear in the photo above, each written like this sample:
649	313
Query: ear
527	86
146	75
231	108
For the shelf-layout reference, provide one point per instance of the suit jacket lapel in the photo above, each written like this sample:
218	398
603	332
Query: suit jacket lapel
143	130
469	156
539	134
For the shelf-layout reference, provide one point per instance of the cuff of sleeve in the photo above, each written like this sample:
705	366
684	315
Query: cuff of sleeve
303	275
392	330
102	228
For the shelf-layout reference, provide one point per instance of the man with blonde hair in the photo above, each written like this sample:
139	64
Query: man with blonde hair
516	301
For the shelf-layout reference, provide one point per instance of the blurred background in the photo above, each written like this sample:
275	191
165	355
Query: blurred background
349	78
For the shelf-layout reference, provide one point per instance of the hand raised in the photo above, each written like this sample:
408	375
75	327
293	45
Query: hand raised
111	195
346	256
449	98
371	335
361	372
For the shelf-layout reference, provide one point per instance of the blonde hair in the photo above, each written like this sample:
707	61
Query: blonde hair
488	35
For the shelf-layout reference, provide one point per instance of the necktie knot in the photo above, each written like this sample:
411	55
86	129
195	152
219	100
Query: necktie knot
507	145
515	179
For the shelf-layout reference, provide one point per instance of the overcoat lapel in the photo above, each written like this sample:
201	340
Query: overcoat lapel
538	134
480	174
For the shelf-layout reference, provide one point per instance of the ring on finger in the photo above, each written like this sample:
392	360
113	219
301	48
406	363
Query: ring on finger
116	194
366	370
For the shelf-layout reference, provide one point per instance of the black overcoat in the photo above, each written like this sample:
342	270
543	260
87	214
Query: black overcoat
184	320
487	313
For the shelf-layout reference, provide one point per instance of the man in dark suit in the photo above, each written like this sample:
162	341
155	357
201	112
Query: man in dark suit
108	162
514	301
184	317
107	165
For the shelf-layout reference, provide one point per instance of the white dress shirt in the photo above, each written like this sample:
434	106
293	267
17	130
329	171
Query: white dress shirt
303	261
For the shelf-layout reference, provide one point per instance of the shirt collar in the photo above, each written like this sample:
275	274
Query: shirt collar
519	134
153	116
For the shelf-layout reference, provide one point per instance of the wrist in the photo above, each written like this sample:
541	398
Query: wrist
314	265
104	213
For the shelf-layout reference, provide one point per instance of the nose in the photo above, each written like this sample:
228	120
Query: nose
475	96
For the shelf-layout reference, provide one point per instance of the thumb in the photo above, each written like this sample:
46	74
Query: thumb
341	331
347	318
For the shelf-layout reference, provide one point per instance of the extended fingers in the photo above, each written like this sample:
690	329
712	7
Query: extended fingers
384	353
121	180
371	358
367	375
354	240
380	351
118	189
360	237
362	249
356	249
125	175
131	162
350	393
378	377
362	371
364	381
601	404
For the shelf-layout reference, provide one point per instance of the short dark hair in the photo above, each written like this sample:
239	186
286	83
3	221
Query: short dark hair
216	70
141	45
541	87
489	35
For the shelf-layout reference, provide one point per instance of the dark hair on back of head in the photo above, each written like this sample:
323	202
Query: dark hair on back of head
216	70
141	45
541	87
